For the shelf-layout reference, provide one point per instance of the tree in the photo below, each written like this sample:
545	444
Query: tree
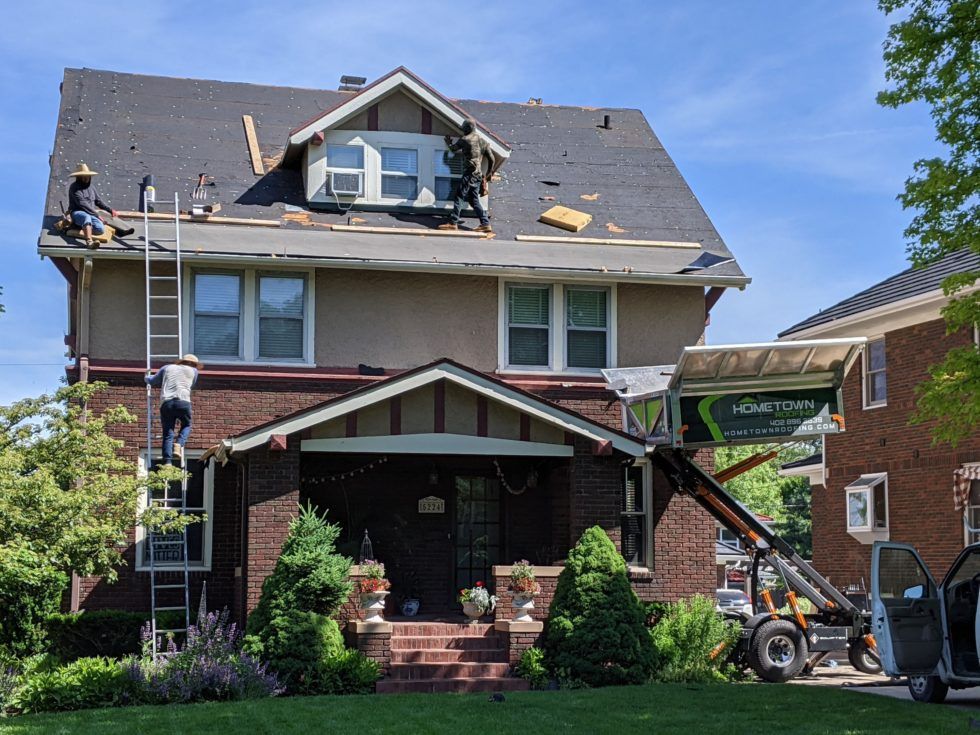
931	56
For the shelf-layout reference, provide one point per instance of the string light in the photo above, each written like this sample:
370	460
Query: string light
507	486
344	475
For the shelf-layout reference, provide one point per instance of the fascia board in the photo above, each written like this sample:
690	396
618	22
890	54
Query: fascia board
436	444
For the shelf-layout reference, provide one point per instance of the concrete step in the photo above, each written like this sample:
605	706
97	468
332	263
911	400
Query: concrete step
444	629
491	684
459	670
448	655
468	643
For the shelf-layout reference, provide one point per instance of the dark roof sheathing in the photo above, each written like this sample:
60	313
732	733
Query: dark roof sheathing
910	282
128	125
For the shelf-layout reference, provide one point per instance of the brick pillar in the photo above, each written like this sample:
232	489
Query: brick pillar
596	489
520	637
273	501
373	640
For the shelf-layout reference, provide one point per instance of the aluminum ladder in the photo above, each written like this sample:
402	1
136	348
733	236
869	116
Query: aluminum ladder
164	343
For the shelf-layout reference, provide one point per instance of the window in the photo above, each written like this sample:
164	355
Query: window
901	576
529	326
252	316
448	170
400	173
347	163
282	306
875	391
170	547
586	315
217	315
973	513
635	515
867	503
723	535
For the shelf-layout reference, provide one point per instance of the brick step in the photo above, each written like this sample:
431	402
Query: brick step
459	670
468	643
426	686
448	655
399	630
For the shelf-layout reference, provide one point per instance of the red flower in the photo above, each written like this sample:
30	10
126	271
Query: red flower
479	584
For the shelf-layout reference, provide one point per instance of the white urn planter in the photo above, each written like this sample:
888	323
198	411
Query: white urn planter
373	606
471	611
523	604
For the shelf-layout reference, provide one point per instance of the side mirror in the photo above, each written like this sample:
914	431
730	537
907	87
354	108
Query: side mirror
915	593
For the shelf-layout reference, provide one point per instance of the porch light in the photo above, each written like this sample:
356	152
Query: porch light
433	476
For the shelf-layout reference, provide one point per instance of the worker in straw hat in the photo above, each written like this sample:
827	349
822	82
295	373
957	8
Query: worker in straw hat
84	205
175	382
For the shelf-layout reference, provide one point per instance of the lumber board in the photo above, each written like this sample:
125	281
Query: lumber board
607	241
127	214
253	145
410	231
565	218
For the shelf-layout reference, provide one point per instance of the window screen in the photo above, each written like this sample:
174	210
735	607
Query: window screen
282	301
448	170
345	156
586	327
217	314
528	325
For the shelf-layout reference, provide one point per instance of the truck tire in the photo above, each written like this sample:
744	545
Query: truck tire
778	651
928	689
861	659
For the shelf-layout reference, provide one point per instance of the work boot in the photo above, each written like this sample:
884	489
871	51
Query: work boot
91	244
448	226
485	228
179	453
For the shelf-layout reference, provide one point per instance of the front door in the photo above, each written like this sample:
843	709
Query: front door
905	609
476	536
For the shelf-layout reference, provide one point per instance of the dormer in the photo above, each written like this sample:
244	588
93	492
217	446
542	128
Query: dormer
383	148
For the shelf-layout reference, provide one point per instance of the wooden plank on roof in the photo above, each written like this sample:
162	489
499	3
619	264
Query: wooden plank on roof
258	168
607	241
162	216
424	232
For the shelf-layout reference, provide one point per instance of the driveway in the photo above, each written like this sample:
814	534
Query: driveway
847	677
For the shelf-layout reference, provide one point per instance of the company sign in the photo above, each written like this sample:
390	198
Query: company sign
769	415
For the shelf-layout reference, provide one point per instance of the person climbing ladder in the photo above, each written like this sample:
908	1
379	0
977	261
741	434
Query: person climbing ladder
175	382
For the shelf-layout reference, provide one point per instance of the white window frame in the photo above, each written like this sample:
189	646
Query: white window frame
191	316
646	514
871	531
207	536
558	358
866	401
344	170
968	537
417	175
249	324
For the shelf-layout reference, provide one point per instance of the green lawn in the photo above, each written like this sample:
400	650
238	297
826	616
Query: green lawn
660	709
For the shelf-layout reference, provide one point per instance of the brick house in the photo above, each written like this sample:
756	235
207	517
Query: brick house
441	392
883	479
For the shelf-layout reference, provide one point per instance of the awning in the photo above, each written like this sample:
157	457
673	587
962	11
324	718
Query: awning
962	479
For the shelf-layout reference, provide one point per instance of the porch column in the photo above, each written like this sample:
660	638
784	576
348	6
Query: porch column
596	490
273	501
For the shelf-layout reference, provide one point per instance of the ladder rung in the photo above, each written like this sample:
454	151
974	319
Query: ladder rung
171	630
166	355
174	607
164	336
169	586
163	316
163	278
152	296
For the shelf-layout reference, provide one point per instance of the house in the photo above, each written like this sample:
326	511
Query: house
439	391
731	561
884	479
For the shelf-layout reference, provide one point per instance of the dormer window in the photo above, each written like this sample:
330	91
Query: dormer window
400	173
448	169
345	170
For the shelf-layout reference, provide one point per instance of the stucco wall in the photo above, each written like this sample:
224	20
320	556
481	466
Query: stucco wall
117	311
656	322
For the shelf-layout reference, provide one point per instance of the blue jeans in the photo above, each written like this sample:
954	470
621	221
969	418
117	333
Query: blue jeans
171	412
468	191
81	219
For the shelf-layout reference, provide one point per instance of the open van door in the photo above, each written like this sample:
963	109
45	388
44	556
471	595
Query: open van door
905	610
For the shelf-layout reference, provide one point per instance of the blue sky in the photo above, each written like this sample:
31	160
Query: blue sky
767	108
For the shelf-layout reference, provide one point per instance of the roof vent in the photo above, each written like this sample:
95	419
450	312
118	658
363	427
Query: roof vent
351	84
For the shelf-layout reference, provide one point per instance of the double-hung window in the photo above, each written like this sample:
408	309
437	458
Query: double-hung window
345	168
448	171
586	327
875	385
529	326
217	318
169	547
867	506
634	516
281	317
400	173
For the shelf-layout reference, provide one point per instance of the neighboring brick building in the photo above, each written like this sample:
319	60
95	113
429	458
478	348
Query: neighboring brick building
883	479
441	392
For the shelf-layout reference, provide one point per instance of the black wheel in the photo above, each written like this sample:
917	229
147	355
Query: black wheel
862	659
927	689
778	651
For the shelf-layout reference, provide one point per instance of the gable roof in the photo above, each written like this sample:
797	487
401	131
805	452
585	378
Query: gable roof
443	369
397	79
910	283
130	125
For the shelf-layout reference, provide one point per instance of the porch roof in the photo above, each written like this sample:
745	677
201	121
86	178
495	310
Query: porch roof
452	373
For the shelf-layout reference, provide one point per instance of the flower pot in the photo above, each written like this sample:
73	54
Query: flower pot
473	612
373	606
410	607
523	604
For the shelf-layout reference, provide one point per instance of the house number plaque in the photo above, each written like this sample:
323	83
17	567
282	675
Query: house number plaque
432	504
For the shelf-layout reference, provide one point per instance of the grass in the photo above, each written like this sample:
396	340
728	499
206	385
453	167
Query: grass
662	709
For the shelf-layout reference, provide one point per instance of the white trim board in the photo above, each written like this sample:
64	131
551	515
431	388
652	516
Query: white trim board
436	444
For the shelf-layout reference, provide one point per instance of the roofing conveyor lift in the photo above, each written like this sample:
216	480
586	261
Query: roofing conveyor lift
754	394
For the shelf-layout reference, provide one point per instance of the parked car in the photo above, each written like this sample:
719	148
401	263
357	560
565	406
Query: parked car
733	602
924	630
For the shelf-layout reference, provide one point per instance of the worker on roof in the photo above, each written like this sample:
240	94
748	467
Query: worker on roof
473	183
175	382
84	205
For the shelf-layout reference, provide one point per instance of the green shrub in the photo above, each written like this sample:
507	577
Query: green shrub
349	672
685	638
112	633
30	590
531	668
596	633
85	683
296	646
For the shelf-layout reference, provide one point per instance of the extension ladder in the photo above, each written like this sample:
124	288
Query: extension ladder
164	343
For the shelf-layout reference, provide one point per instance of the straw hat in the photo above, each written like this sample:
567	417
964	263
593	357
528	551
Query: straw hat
190	359
84	170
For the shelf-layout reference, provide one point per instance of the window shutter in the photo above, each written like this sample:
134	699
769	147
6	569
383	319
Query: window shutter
282	302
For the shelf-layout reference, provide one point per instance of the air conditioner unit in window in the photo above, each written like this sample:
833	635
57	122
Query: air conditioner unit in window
346	184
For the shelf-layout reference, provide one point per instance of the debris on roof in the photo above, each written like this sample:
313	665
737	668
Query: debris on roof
565	218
